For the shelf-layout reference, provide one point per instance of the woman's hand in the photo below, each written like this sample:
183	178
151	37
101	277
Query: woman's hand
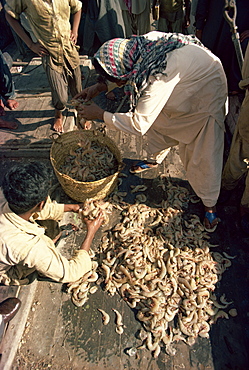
91	111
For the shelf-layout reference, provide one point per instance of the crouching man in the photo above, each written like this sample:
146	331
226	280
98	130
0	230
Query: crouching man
24	247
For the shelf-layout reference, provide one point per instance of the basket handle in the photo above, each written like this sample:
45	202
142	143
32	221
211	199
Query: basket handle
54	136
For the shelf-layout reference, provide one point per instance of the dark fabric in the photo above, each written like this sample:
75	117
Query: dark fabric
93	9
106	26
6	84
217	35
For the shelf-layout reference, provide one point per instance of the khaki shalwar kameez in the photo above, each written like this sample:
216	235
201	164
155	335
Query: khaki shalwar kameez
24	248
184	106
238	160
50	23
137	21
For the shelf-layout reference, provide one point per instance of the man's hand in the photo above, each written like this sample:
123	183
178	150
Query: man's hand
92	227
91	111
91	91
73	37
198	34
37	48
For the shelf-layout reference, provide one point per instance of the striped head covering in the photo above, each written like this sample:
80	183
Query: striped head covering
137	58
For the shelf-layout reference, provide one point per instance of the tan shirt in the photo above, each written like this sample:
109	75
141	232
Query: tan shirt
49	20
24	248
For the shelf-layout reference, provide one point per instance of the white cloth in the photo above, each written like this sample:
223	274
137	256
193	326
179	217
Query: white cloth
186	106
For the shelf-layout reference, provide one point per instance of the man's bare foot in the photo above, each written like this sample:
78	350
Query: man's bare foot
58	121
87	125
2	111
11	125
12	104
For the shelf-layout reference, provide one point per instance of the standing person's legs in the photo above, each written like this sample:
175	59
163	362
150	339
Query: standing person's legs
75	81
163	25
128	22
143	20
59	91
7	90
236	165
158	146
177	26
7	93
202	160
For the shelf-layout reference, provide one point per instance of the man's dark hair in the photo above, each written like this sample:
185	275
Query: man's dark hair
103	74
25	185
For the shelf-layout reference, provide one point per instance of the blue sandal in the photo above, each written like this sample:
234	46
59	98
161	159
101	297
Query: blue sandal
142	166
211	216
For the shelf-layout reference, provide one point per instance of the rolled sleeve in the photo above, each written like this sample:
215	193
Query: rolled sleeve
75	6
48	261
149	106
51	211
14	8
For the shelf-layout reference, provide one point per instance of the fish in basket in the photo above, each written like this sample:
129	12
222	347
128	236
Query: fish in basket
87	164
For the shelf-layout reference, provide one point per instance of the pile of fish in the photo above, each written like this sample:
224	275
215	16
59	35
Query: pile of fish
91	209
89	161
161	265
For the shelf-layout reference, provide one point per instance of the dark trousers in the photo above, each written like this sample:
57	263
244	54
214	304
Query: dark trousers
7	90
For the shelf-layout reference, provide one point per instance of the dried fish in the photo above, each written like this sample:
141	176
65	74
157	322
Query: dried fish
89	161
105	316
162	266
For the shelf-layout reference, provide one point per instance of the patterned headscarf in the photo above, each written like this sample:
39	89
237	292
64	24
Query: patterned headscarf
137	58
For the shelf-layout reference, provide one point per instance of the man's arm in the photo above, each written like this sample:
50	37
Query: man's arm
18	28
92	227
75	26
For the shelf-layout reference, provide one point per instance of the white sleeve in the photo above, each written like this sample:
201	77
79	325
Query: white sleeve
149	106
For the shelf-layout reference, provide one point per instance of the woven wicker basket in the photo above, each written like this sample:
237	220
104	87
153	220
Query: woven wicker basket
77	190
